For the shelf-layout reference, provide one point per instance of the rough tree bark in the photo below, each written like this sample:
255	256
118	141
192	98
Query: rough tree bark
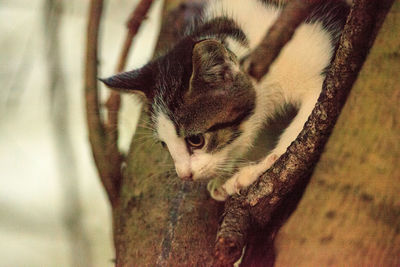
160	220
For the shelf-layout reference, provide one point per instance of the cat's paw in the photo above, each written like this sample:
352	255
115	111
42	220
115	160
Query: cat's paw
243	178
217	192
248	175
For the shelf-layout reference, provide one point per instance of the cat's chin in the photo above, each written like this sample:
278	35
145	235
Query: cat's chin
203	177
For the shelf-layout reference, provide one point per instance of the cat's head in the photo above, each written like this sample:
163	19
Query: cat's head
199	101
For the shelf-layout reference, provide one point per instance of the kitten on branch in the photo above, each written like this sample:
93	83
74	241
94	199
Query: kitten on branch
208	111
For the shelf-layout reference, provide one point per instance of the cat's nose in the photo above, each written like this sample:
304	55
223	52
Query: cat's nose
187	177
184	171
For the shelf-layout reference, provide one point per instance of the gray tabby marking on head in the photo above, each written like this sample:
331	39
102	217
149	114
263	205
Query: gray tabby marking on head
199	86
219	93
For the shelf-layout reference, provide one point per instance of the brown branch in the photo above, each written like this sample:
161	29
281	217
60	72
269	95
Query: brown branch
103	136
134	22
278	35
294	166
232	233
113	103
96	128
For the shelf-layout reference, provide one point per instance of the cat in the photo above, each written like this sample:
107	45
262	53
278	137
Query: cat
207	111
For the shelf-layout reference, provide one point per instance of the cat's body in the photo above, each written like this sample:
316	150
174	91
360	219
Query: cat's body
208	111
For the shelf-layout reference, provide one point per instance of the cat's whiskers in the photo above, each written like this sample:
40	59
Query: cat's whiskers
143	121
166	173
143	139
171	165
146	127
150	135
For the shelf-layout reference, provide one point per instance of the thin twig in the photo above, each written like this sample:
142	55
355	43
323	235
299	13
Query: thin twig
135	20
114	101
296	164
104	136
96	128
278	35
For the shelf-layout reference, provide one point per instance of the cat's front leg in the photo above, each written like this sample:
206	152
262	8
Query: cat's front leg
248	175
243	178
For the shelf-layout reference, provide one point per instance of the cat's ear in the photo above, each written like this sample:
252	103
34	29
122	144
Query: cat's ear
138	81
213	63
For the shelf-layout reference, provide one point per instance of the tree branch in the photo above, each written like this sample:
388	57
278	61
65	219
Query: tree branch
295	12
113	103
232	233
294	166
133	24
103	136
97	136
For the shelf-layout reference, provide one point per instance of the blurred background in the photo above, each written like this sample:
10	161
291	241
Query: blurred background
53	209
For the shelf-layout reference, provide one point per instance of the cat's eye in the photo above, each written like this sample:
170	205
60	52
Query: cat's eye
163	144
195	141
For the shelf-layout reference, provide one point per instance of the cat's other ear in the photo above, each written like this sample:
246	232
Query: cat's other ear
138	81
213	63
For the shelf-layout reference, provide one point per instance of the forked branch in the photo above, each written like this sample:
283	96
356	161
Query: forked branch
114	101
97	133
103	136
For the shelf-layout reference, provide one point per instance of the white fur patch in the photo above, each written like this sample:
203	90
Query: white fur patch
176	145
